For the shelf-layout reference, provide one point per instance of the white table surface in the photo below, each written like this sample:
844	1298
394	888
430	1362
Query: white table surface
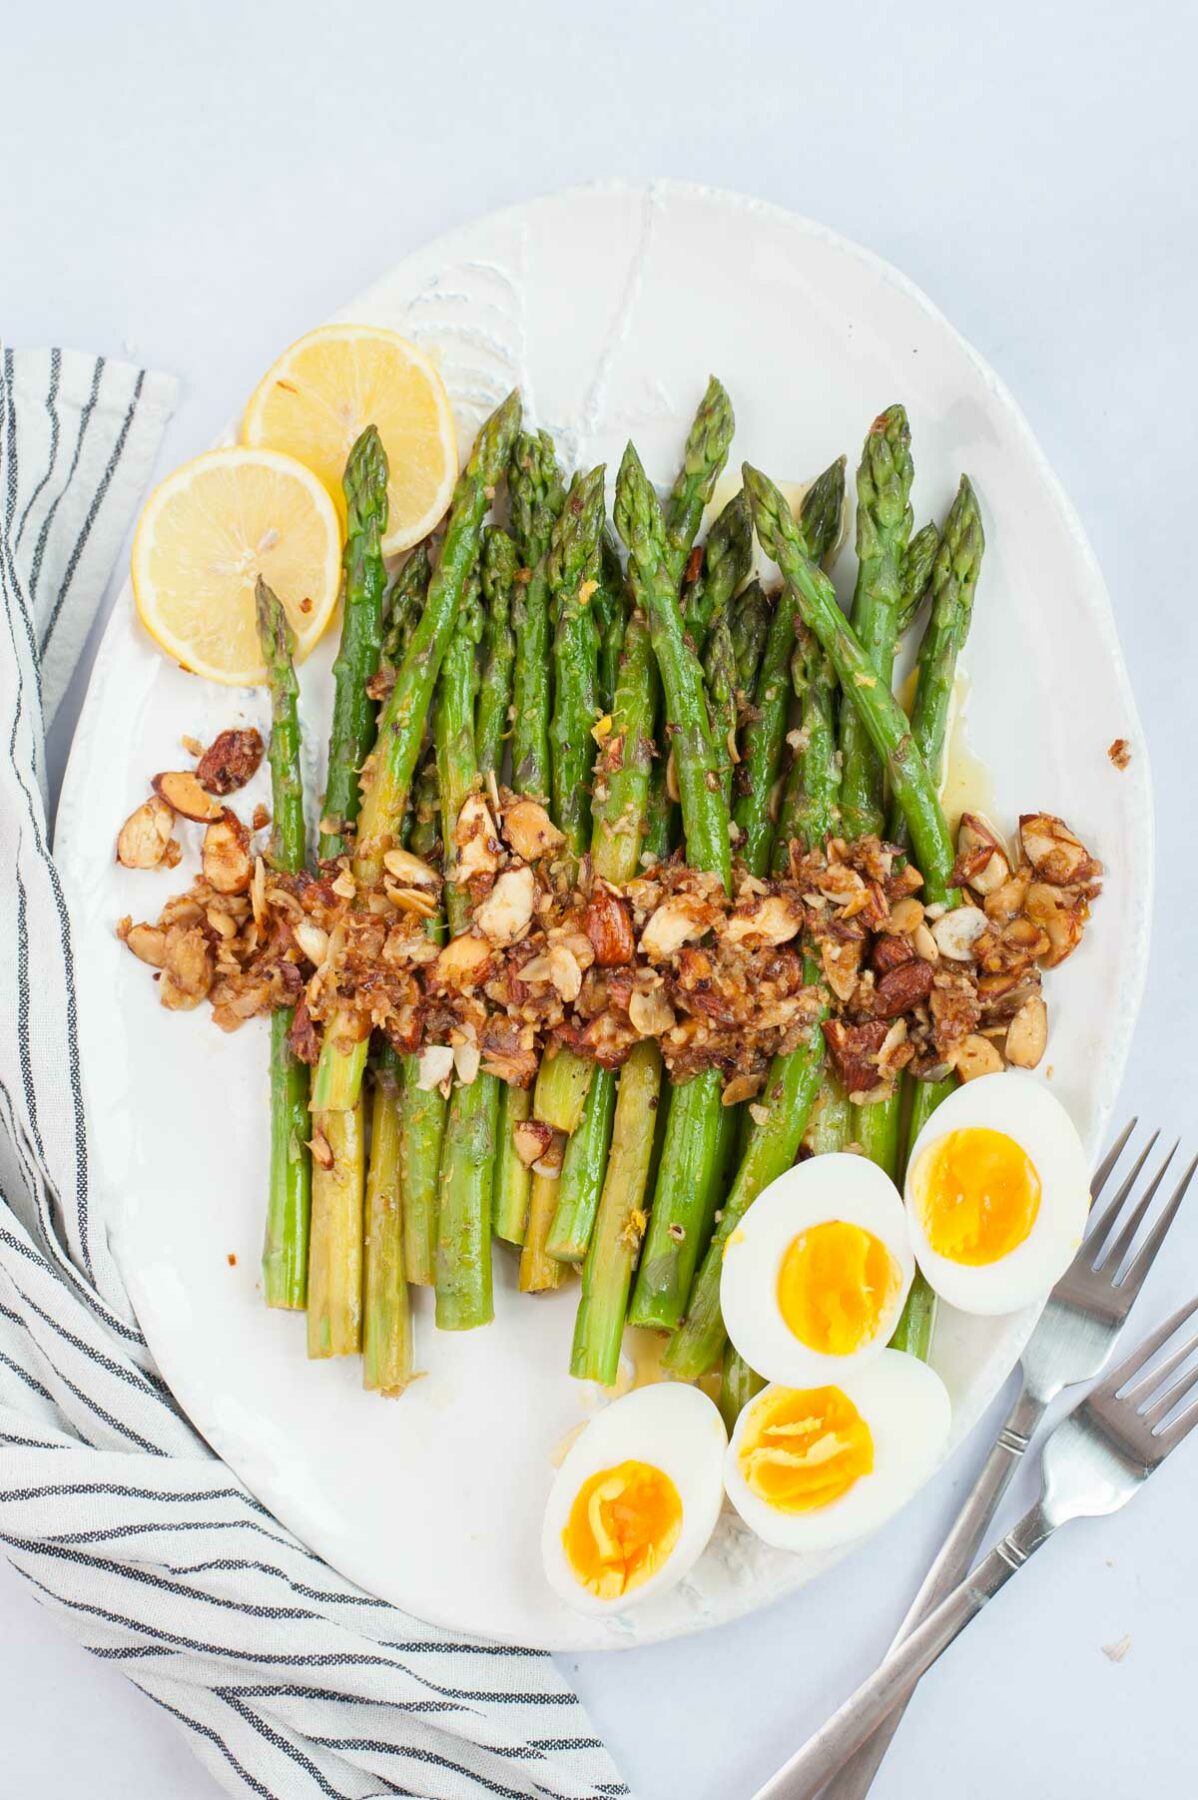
194	187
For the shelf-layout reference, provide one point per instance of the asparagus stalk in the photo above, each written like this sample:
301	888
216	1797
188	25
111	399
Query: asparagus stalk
499	570
289	1199
887	724
463	1256
726	557
953	584
572	566
704	455
513	1178
582	1173
404	716
403	606
750	626
883	532
422	1115
620	1222
611	616
917	574
352	733
537	497
684	1199
387	1312
738	1384
335	1252
794	1082
766	732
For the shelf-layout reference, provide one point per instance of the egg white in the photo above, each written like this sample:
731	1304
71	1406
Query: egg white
815	1192
1017	1104
907	1408
675	1428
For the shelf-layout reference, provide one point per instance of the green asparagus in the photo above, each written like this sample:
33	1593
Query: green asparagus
361	639
285	1250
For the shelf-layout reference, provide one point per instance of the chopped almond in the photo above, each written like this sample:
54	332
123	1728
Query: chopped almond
226	860
145	835
183	793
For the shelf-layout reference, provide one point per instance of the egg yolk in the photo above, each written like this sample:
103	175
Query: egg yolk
978	1193
835	1284
804	1448
622	1528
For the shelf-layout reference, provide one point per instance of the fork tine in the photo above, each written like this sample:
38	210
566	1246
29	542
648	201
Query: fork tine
1118	1378
1146	1255
1111	1158
1136	1396
1160	1409
1101	1228
1120	1246
1181	1427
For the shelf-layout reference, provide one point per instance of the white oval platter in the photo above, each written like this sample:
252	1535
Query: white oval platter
608	306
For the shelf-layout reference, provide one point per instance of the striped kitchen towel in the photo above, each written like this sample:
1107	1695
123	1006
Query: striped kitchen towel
288	1680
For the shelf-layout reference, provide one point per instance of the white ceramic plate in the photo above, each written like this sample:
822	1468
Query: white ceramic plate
608	306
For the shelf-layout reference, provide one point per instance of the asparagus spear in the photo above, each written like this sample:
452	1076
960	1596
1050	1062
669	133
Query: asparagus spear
404	716
703	457
611	616
463	1256
738	1384
620	1222
794	1081
885	720
537	497
499	571
387	1312
572	566
726	557
352	733
422	1116
765	734
403	606
513	1178
335	1251
953	584
684	1198
883	530
750	626
578	1190
917	574
285	1250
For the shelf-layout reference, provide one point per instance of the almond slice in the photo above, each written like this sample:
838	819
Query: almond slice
143	838
182	791
225	858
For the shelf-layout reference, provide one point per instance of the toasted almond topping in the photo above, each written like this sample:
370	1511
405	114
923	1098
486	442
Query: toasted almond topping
410	871
226	857
413	900
982	860
651	1013
974	1056
957	931
924	944
1027	1034
506	913
145	835
435	1068
312	941
477	844
148	944
549	1163
565	972
772	921
677	921
344	884
531	1138
740	1088
466	1060
463	962
183	794
530	831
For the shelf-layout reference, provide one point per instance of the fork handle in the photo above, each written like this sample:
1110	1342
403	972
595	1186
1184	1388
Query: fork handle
952	1564
803	1777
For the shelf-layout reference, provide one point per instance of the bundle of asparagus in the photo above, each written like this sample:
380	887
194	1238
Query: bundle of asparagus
646	707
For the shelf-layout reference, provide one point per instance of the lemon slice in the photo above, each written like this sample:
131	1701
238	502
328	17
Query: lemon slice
325	390
206	535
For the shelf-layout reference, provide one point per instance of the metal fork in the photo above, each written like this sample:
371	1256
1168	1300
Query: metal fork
1070	1344
1094	1461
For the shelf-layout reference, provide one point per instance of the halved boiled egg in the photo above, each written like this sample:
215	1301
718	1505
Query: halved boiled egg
815	1276
636	1499
809	1468
998	1191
